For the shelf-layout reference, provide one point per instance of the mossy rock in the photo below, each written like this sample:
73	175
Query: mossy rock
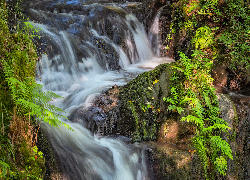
52	170
175	164
141	104
117	10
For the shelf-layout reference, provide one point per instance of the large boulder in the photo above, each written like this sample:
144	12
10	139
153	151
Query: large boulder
117	110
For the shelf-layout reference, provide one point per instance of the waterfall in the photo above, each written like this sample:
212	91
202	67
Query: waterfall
90	49
154	34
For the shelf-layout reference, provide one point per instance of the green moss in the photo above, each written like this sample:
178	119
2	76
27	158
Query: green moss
19	156
52	169
117	10
142	101
176	164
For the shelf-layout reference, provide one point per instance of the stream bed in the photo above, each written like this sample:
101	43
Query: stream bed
91	47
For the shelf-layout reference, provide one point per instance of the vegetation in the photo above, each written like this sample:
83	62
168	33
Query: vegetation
219	32
224	26
21	100
192	90
141	98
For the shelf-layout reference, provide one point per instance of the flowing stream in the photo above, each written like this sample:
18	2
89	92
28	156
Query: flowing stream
90	48
154	34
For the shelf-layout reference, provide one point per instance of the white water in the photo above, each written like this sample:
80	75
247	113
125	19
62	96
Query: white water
154	34
81	154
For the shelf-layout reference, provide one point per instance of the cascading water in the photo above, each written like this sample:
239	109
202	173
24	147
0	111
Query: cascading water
89	49
154	34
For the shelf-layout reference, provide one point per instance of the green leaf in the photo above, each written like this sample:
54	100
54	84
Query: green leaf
198	121
4	167
171	100
171	107
222	127
179	110
218	143
221	165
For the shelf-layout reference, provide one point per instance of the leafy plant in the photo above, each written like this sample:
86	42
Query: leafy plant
22	100
203	38
220	32
198	97
236	36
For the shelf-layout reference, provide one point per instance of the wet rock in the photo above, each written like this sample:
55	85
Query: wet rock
238	82
226	80
242	136
229	114
142	98
220	75
52	169
101	117
171	163
176	132
173	160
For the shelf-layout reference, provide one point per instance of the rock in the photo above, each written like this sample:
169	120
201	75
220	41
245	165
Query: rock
176	132
241	138
101	117
229	114
51	164
174	164
141	104
180	161
220	75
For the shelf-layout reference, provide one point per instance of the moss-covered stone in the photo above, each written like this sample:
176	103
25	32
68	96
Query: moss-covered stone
141	103
173	163
52	170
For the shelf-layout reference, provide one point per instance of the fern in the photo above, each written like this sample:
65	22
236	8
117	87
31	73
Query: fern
199	144
221	145
4	168
198	121
26	93
27	98
197	94
221	165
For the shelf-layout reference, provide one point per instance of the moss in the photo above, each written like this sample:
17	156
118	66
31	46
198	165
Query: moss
117	10
44	146
169	163
19	158
132	5
142	103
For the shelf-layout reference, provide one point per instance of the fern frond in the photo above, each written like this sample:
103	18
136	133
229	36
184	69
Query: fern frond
4	168
222	127
221	165
35	102
218	143
200	146
190	118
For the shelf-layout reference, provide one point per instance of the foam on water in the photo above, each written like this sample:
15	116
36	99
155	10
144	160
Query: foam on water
81	154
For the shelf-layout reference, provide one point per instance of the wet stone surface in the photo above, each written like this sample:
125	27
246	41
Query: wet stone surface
101	117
